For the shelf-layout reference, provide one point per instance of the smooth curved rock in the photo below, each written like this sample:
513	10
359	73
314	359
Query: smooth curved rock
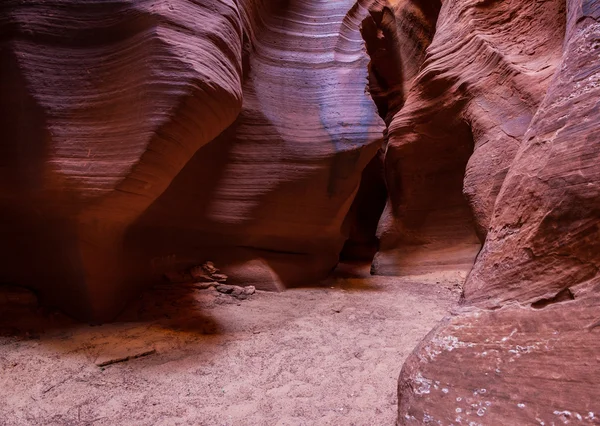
102	106
105	109
482	80
523	348
277	185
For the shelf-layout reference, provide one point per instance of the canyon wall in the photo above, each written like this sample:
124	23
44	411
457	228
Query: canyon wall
451	144
268	199
523	346
145	136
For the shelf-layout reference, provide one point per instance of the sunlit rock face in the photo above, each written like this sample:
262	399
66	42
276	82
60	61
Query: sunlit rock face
273	191
522	348
141	135
464	114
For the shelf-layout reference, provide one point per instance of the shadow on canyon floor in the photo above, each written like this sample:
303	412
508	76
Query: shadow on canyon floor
178	355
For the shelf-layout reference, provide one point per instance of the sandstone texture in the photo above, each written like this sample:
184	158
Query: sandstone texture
102	106
143	138
523	347
484	75
267	200
147	136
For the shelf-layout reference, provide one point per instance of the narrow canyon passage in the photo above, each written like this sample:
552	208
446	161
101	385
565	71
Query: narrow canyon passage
328	355
278	138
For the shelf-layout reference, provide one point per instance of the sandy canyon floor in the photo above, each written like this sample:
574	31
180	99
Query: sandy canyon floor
326	355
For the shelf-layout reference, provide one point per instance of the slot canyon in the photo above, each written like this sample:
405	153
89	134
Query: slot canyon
300	212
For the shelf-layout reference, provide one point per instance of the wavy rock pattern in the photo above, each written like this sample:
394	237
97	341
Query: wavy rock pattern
484	75
105	105
276	187
528	327
141	137
108	105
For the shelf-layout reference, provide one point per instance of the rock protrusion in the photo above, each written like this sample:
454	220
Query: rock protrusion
206	276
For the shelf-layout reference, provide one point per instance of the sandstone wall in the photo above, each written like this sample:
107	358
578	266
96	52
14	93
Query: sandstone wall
451	144
141	137
138	136
523	347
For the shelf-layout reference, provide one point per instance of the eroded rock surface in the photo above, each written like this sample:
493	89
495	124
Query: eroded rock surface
267	200
141	138
514	365
105	108
102	106
524	347
484	75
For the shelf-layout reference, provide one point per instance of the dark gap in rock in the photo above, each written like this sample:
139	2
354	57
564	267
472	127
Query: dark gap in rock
365	212
562	296
385	31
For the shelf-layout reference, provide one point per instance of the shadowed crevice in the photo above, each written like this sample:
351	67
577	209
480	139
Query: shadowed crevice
562	296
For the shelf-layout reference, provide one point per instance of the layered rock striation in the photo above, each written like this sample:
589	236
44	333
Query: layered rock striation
270	196
522	348
140	135
453	140
141	138
103	104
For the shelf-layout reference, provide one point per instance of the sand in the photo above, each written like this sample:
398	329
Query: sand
326	355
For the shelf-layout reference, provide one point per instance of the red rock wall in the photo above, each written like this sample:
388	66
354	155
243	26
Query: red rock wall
145	136
107	108
523	347
396	35
278	184
483	77
103	105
